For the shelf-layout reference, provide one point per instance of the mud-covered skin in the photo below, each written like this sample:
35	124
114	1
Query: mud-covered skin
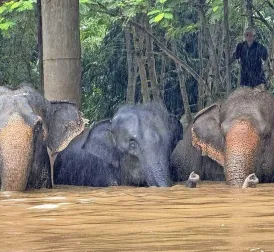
236	134
26	129
241	145
133	149
16	136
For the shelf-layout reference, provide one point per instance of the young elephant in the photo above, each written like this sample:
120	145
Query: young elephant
236	133
28	125
132	149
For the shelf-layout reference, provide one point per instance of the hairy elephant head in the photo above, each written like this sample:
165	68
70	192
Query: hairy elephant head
142	138
27	121
64	122
237	134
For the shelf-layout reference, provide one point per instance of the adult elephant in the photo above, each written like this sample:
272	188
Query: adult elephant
28	125
133	148
235	135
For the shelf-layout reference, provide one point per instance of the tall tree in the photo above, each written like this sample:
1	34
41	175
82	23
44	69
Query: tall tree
61	50
249	13
227	54
40	44
132	69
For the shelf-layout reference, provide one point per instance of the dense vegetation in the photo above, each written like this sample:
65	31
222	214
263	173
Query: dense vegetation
140	50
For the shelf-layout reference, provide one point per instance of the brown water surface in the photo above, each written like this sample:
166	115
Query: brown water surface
212	217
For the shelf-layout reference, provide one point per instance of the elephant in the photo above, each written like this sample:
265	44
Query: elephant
133	148
29	126
75	166
230	140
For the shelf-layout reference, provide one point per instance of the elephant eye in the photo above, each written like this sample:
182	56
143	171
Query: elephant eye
132	144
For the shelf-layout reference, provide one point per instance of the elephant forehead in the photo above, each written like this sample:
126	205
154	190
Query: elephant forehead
259	121
11	106
248	103
140	126
243	135
127	122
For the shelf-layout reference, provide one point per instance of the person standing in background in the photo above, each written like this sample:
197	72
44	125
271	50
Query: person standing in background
251	55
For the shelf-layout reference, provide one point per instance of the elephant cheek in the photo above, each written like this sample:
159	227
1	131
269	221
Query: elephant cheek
16	144
242	144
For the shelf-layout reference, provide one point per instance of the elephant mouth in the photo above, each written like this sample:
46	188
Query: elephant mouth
242	144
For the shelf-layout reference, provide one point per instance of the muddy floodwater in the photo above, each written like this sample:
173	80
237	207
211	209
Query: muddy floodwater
212	217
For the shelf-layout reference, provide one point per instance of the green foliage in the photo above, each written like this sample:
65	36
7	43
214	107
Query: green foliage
160	12
13	6
104	76
18	40
215	11
5	25
99	54
93	26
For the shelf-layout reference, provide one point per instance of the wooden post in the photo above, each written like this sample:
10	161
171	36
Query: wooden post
61	50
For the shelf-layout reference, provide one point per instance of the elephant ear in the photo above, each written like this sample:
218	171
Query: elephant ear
100	143
64	121
207	134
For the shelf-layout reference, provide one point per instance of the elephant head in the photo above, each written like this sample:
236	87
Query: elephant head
64	122
29	123
140	139
237	134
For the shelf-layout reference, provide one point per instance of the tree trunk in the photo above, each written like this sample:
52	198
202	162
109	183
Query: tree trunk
155	91
61	50
249	13
211	46
227	54
132	69
141	60
183	89
271	57
169	53
162	74
40	45
271	53
201	88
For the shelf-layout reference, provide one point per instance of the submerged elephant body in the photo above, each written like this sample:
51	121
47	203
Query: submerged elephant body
186	158
28	125
236	134
75	166
132	149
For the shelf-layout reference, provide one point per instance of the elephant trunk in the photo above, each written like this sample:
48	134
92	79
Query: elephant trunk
16	146
157	172
242	144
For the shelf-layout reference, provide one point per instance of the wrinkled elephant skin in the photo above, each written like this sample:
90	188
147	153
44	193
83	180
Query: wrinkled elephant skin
241	145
